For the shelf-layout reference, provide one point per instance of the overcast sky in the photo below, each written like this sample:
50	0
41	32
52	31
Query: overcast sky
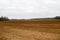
29	8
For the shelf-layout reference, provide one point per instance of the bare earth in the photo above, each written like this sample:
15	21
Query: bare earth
36	31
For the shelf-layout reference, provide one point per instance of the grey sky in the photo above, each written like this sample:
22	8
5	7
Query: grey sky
29	8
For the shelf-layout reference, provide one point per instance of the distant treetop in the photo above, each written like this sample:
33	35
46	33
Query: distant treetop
57	17
2	18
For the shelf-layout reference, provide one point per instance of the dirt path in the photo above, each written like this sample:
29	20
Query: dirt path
20	34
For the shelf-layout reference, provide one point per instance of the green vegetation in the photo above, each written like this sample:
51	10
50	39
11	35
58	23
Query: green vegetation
3	18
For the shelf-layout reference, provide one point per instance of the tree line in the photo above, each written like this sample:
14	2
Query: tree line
3	18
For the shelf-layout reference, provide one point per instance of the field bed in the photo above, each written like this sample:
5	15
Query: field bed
44	29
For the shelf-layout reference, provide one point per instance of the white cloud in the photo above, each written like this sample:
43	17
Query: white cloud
30	7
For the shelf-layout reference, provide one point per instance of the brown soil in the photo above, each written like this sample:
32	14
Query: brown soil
30	30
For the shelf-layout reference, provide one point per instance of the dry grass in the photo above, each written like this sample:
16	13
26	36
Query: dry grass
2	38
31	29
37	25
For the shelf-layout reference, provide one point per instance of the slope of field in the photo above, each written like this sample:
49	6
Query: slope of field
30	30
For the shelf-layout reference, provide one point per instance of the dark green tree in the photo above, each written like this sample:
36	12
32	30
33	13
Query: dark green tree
57	17
3	18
